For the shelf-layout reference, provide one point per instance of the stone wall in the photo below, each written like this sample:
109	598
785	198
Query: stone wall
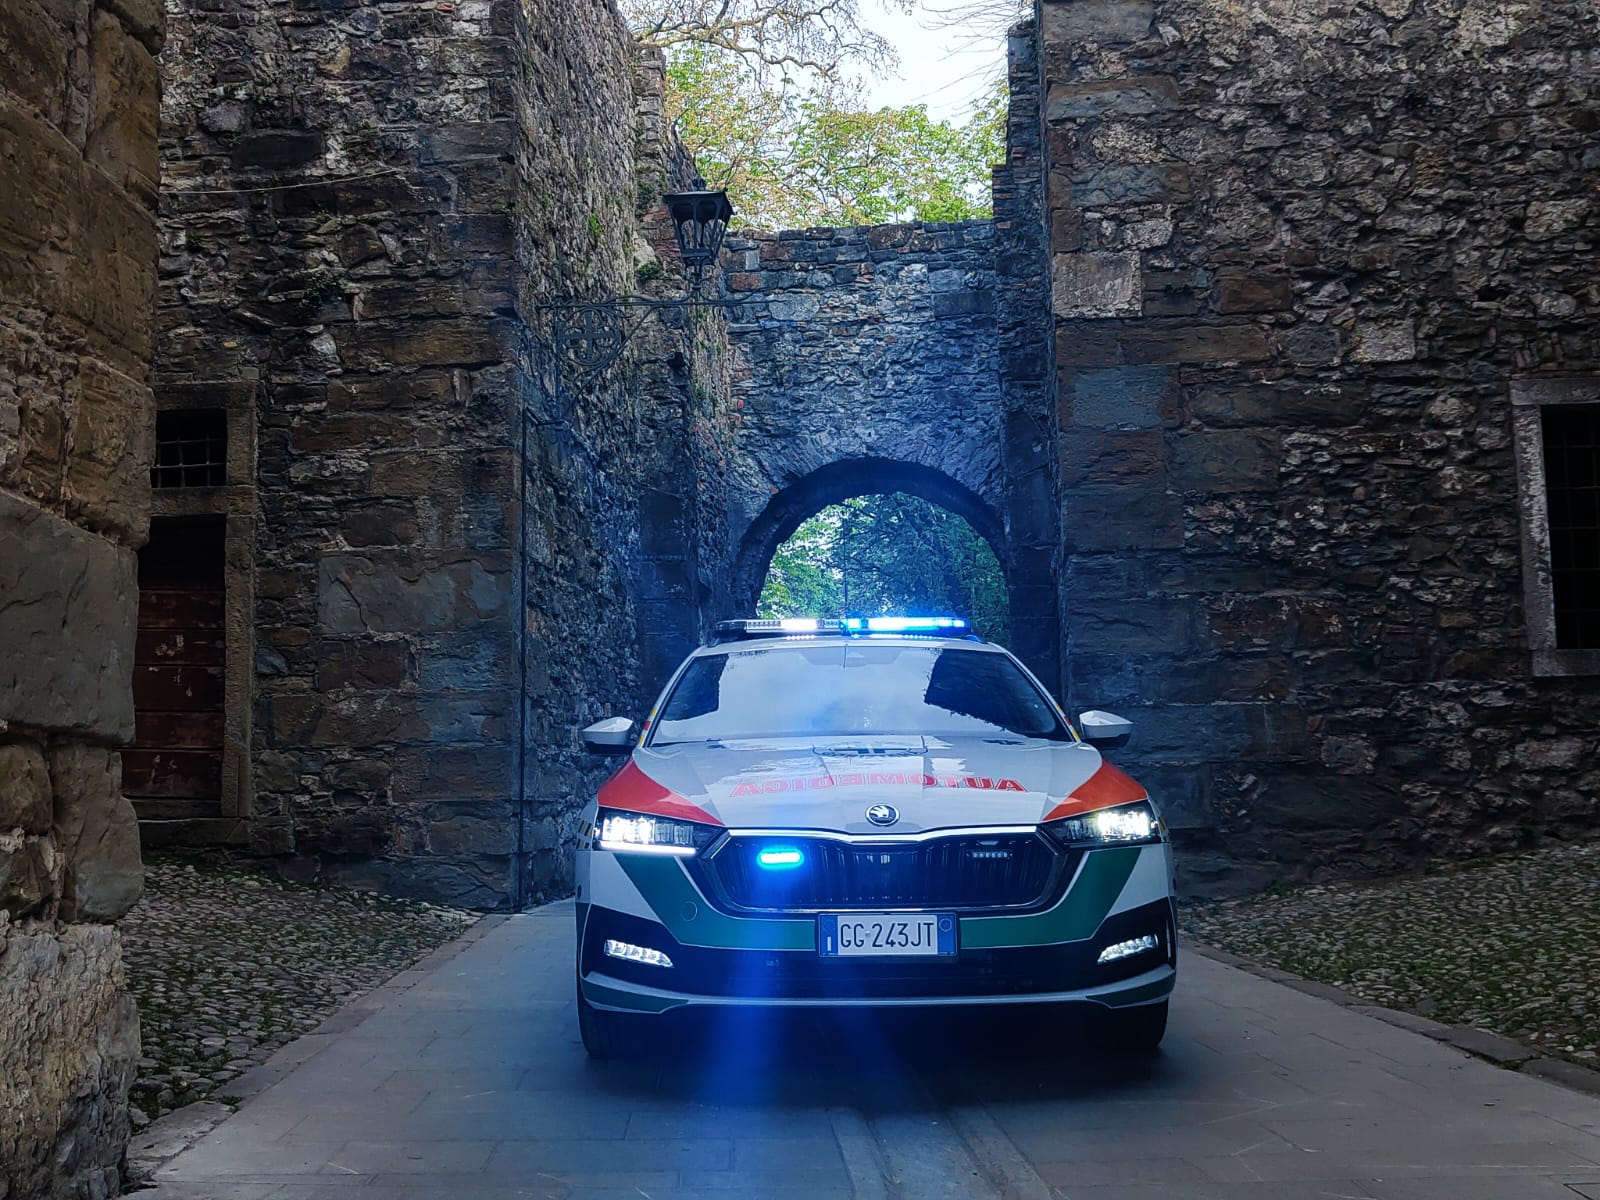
621	463
77	279
366	209
1300	252
338	260
1029	431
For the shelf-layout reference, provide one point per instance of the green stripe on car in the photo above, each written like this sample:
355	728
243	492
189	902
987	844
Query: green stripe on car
1076	917
668	891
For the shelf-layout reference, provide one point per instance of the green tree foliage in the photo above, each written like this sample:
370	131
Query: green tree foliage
792	157
887	554
771	39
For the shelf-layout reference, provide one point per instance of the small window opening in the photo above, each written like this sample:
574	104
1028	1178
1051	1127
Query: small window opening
1572	492
191	449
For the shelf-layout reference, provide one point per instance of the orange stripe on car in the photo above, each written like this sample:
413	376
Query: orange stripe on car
1105	788
631	790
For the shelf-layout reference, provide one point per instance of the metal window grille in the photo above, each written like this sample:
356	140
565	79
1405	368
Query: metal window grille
191	449
1572	493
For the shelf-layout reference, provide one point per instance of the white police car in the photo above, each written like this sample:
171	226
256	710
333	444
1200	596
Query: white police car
867	812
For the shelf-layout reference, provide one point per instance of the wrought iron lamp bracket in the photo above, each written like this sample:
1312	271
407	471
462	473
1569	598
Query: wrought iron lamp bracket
588	336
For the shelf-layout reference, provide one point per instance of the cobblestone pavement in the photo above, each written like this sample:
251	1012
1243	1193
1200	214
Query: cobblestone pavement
465	1077
1506	944
229	965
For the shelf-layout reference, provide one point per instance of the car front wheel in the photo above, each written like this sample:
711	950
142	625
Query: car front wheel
609	1034
1137	1030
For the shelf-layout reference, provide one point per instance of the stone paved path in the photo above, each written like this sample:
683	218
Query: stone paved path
465	1078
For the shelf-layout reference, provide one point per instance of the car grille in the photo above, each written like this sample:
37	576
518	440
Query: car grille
1014	870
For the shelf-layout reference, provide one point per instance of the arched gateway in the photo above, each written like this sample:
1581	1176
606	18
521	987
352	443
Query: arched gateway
842	480
866	361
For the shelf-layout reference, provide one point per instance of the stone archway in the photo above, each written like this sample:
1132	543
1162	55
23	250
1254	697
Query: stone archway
841	481
891	358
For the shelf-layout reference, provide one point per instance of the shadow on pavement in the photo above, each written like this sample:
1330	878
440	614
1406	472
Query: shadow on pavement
883	1061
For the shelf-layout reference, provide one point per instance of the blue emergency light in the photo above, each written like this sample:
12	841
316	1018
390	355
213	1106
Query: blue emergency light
774	627
904	625
780	858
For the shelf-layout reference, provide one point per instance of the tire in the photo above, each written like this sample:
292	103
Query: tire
608	1035
1137	1030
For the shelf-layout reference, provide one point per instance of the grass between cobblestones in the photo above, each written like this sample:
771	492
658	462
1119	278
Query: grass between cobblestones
1510	944
227	965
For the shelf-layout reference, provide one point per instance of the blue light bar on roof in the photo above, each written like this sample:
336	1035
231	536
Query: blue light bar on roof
904	624
774	627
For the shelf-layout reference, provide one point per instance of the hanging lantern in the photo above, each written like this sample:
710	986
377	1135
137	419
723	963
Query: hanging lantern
699	220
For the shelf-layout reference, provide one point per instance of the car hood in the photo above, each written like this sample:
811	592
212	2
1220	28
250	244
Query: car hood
932	783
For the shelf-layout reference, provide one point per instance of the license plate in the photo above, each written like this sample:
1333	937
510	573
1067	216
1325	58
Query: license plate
886	935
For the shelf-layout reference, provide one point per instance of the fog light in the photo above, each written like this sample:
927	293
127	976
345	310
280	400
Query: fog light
1137	945
628	952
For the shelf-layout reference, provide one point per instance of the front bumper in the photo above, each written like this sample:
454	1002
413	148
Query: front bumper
721	959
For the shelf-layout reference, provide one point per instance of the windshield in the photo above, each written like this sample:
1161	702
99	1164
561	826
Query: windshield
854	689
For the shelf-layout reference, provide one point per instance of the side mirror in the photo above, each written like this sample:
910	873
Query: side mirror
614	735
1104	729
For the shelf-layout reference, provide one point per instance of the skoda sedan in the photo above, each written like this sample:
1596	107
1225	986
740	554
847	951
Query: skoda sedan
870	812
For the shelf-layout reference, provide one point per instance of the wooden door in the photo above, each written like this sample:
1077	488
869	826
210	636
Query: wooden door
174	769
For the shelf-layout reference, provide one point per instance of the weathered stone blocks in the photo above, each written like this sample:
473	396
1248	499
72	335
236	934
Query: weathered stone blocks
123	92
1093	457
24	788
97	833
112	435
1100	22
399	592
1223	461
68	1044
50	197
1307	403
1120	397
66	622
36	44
1244	291
1129	96
1143	516
1133	183
1095	285
26	873
1381	341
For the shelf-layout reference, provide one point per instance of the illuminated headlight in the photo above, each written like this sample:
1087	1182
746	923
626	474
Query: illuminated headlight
628	952
1124	825
1126	949
652	835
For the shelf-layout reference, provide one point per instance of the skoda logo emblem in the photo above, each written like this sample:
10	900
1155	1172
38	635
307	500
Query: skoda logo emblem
883	814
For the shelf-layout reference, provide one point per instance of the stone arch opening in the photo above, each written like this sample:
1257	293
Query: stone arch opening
844	480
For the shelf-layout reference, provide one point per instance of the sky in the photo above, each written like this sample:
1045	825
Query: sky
946	69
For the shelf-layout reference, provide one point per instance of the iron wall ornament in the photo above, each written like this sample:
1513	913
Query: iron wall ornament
589	336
